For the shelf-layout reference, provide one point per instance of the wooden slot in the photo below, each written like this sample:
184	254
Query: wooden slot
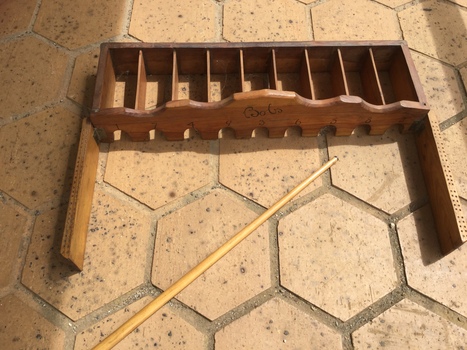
174	76
445	204
159	69
319	60
256	72
371	84
293	71
108	84
192	74
339	80
273	72
401	79
225	73
141	83
80	202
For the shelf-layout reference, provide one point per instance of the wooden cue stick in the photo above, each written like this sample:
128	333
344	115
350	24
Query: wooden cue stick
146	312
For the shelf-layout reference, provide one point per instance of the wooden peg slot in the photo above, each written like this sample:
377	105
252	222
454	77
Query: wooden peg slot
159	73
141	83
256	62
225	73
192	74
293	72
126	76
393	73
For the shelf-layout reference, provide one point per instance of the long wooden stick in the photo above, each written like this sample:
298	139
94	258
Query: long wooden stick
146	312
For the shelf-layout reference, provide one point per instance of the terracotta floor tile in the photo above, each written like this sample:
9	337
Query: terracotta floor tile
335	256
158	172
12	226
118	238
409	326
165	330
170	21
354	20
440	86
441	278
76	24
265	20
81	87
23	328
264	169
460	2
437	29
455	142
15	15
277	325
185	237
29	65
37	154
381	170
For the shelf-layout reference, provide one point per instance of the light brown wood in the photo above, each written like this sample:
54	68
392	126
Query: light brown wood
80	203
444	200
141	316
141	83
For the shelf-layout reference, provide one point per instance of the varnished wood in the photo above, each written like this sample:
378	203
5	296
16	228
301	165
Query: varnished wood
444	200
146	312
80	202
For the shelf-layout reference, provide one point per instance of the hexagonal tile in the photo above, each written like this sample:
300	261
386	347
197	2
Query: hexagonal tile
460	2
165	329
12	226
407	325
169	21
437	29
118	237
15	15
265	20
381	170
158	172
82	83
336	256
441	278
440	85
76	24
265	169
29	65
276	325
455	145
354	20
24	328
185	237
37	154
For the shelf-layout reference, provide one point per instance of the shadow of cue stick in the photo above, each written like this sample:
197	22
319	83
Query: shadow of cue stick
146	312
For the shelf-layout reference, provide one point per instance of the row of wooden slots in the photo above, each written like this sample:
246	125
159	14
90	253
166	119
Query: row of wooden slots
152	77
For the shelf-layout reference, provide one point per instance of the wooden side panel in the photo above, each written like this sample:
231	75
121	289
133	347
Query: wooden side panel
108	84
79	206
445	204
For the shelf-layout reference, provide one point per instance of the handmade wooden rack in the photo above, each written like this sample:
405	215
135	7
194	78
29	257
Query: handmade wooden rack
170	88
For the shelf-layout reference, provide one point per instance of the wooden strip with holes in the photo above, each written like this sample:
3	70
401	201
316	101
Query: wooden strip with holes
80	203
445	204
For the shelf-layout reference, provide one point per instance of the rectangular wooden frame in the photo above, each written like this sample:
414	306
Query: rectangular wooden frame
312	85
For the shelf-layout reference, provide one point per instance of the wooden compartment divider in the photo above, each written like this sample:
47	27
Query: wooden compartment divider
208	87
